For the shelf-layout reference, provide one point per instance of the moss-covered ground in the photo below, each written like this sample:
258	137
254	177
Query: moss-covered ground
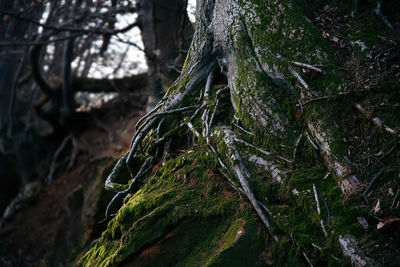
187	215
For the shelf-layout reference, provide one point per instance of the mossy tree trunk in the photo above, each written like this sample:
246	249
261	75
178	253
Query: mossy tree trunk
251	115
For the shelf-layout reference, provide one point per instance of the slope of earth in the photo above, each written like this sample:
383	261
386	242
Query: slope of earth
58	220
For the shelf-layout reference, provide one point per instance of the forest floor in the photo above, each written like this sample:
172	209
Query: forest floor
54	223
368	54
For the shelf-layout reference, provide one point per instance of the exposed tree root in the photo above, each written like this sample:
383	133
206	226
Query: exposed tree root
54	164
115	203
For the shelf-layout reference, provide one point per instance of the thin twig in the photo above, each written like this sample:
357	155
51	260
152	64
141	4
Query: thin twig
307	259
140	173
319	210
327	210
159	128
315	99
98	30
40	42
311	141
243	175
213	113
252	146
296	146
242	129
371	183
307	66
316	199
394	199
191	127
208	86
264	207
378	122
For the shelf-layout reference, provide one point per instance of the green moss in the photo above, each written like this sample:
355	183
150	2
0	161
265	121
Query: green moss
184	198
242	245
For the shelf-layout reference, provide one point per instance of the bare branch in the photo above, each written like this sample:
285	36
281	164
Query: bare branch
132	84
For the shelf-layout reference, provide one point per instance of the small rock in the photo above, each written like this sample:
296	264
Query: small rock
363	223
295	192
360	44
349	185
391	191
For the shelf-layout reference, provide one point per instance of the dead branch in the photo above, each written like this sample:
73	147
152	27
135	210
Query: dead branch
380	172
307	66
296	146
35	55
66	28
133	84
311	141
378	122
319	210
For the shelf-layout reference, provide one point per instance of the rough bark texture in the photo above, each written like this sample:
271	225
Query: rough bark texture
249	138
166	33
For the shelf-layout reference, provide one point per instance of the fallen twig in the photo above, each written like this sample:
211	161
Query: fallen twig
242	129
296	146
371	183
315	99
378	122
307	66
327	210
307	259
311	141
319	210
394	199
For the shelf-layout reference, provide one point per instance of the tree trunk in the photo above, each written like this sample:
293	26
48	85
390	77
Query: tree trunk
241	74
11	58
166	33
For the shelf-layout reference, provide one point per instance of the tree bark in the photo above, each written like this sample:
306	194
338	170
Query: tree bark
166	33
